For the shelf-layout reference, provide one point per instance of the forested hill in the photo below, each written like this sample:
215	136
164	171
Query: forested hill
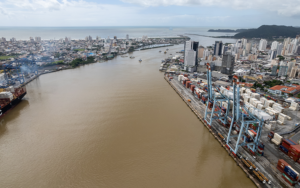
269	31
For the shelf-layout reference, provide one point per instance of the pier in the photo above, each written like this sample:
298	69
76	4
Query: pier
263	164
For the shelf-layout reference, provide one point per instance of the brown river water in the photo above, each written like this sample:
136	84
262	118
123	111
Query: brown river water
114	124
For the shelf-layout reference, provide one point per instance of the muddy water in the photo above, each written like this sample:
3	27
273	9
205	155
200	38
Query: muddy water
111	124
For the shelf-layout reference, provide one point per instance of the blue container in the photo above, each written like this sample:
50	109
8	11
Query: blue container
284	149
261	145
290	172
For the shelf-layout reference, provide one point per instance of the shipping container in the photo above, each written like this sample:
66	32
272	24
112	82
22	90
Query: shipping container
293	156
288	180
283	149
295	149
193	88
292	173
282	164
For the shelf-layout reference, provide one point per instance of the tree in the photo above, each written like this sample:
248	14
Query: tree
131	48
281	58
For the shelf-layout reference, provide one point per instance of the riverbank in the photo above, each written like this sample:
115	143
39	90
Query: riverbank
264	166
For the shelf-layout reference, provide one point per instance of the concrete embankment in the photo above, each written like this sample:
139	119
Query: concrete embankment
215	134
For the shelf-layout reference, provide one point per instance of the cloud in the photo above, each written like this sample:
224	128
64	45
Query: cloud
285	8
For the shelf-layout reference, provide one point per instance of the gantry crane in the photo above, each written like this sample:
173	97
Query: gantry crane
214	105
241	121
240	132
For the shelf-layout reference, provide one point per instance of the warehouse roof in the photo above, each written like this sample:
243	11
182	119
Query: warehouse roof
292	89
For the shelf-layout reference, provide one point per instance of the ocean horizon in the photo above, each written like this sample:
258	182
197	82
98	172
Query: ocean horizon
80	32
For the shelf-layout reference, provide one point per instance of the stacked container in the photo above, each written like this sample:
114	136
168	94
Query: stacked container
294	106
290	175
263	100
192	88
256	96
260	106
294	152
260	149
188	84
180	78
281	118
246	98
269	103
277	139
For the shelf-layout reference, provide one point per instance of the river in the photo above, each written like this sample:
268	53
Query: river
111	124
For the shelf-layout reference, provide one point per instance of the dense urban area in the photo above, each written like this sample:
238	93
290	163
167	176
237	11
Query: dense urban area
247	95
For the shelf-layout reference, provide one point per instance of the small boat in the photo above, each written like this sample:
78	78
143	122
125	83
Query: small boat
131	57
140	60
170	54
159	51
167	49
165	52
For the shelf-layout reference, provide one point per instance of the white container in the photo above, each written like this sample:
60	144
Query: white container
275	142
277	137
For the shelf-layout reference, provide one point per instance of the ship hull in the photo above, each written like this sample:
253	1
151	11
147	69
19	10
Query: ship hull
12	104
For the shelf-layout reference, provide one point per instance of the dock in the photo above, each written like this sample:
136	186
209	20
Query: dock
265	167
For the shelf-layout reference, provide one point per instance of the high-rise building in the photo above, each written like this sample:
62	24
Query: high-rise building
279	48
244	42
31	39
200	51
227	64
115	37
274	45
298	50
274	64
291	65
38	39
13	39
262	45
3	39
218	48
127	37
248	47
273	54
191	53
283	68
293	72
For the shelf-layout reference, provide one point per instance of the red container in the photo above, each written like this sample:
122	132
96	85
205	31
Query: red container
185	75
192	88
281	164
295	149
287	143
293	156
284	144
188	83
281	170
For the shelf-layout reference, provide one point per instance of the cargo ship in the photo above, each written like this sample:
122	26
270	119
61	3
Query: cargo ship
10	97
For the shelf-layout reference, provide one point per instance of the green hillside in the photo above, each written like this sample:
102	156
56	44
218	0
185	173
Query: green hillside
269	31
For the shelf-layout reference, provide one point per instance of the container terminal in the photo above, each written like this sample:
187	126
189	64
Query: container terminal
260	134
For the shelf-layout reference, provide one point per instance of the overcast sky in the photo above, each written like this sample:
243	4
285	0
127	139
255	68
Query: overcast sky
219	13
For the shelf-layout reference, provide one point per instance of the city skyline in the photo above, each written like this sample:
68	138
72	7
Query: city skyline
148	13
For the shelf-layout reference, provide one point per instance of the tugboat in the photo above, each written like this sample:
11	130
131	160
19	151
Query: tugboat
140	60
131	57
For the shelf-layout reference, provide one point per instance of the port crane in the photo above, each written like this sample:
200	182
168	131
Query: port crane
241	121
213	108
240	131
